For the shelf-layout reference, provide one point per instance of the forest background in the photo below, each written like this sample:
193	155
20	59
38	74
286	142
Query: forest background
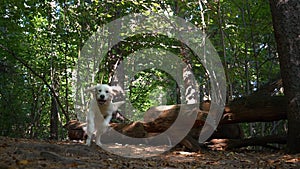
41	43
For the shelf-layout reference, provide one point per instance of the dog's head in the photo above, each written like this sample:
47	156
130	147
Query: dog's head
103	93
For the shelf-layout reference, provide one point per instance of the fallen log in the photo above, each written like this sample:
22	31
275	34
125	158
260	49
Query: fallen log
159	119
256	109
75	130
250	109
190	143
228	144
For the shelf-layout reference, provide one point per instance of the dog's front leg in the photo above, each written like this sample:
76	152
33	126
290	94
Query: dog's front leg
90	127
102	129
99	132
107	120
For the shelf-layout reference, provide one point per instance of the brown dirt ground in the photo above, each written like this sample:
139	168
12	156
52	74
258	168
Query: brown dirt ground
26	153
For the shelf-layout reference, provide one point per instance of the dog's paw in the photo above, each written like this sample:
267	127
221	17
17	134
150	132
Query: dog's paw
105	124
88	142
99	144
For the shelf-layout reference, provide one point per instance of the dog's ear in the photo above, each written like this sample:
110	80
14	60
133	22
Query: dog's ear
116	89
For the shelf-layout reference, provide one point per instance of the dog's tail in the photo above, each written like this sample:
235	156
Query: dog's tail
117	89
90	89
116	105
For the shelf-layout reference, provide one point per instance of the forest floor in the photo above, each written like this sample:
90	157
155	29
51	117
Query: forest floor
26	153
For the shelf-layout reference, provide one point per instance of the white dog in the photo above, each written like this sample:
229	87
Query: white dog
100	111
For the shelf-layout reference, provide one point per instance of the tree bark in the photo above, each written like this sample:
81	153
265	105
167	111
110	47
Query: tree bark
286	23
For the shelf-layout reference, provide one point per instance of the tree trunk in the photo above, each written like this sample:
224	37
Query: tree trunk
286	23
54	120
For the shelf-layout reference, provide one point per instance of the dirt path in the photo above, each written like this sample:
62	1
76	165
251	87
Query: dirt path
24	153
